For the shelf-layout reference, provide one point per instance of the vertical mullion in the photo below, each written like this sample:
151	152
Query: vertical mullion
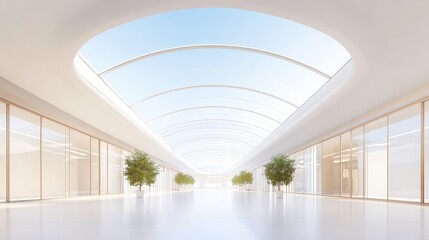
321	165
422	152
69	160
341	165
40	155
65	161
313	157
364	163
90	165
388	157
304	170
7	153
107	168
350	165
99	167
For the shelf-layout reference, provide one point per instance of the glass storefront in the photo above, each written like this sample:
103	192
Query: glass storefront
24	154
379	160
48	159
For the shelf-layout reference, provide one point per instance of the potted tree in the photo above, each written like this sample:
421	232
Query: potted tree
242	179
246	178
280	171
140	170
183	179
190	181
235	180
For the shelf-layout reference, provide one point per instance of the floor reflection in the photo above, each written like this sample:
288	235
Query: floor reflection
212	214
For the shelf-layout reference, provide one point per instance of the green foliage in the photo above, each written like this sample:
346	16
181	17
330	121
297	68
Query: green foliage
280	170
235	180
183	179
243	178
140	170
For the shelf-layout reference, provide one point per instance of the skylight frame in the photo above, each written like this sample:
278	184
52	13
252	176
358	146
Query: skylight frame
207	46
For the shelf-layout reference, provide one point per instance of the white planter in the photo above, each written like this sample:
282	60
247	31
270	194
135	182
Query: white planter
279	194
140	194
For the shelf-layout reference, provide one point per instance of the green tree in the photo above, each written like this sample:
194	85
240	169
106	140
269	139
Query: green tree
280	171
183	179
190	180
243	178
246	177
235	180
180	178
140	170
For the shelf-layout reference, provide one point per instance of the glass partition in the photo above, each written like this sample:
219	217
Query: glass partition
53	159
318	168
404	154
114	169
103	168
299	179
308	169
357	145
380	160
2	152
426	151
68	161
345	164
95	166
376	158
124	154
50	160
331	167
24	154
79	163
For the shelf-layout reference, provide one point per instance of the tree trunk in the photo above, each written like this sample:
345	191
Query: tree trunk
140	187
278	187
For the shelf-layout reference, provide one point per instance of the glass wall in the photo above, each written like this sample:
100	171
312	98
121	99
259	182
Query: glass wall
79	163
404	154
376	158
426	151
331	167
259	180
379	160
317	156
114	169
2	152
95	166
124	154
67	161
357	180
24	154
53	159
308	170
299	179
345	164
103	168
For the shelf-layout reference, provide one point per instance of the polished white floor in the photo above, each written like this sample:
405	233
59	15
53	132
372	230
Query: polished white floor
212	214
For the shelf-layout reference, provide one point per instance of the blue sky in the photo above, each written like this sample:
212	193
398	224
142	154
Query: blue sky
215	26
249	94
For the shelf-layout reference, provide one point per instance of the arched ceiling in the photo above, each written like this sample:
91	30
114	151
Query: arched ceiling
213	83
387	39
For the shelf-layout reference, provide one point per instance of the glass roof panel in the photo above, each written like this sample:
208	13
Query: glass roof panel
215	26
213	83
214	126
214	68
211	122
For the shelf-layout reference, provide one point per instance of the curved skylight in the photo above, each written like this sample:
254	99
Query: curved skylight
213	83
